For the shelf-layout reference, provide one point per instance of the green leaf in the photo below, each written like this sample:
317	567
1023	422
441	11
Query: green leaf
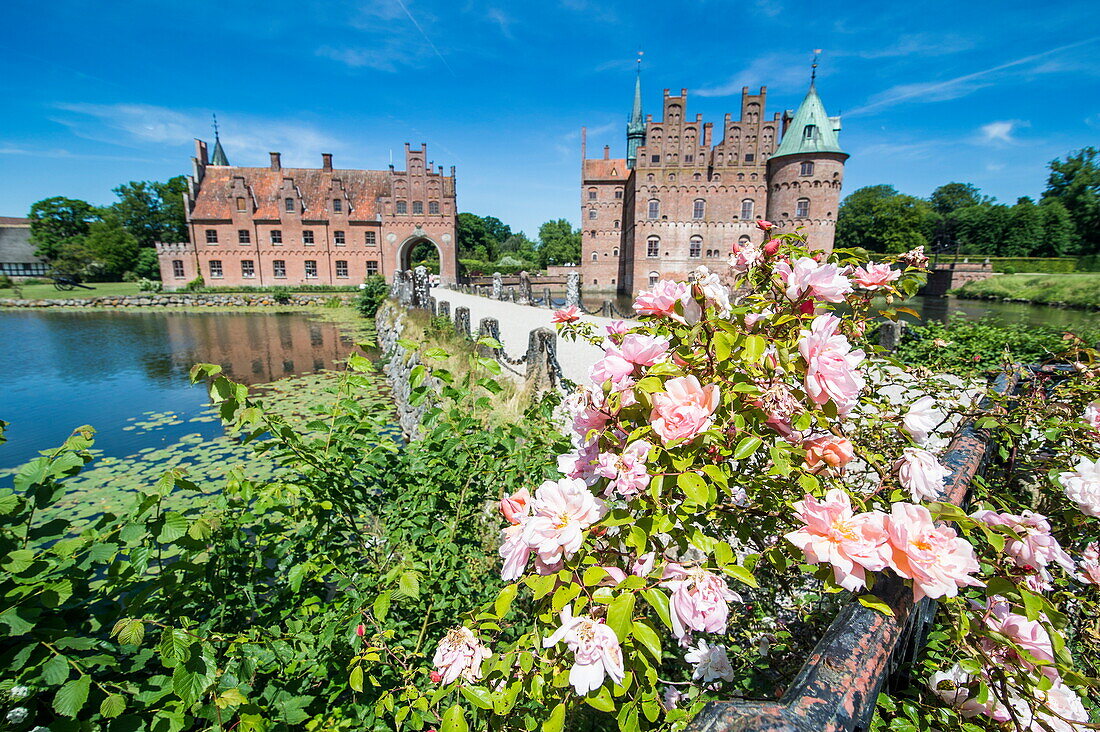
355	678
741	574
112	705
18	560
875	603
746	447
55	671
659	602
478	696
174	647
556	721
504	600
190	679
648	637
620	615
694	488
601	700
71	697
564	595
381	606
173	527
754	349
130	631
454	720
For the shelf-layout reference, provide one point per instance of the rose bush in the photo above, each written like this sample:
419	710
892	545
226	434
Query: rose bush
737	434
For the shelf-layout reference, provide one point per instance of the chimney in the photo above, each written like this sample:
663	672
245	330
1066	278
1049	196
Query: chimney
276	163
606	152
326	161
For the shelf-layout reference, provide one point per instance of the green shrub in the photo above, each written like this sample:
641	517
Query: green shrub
280	295
5	282
195	285
371	295
1079	290
146	285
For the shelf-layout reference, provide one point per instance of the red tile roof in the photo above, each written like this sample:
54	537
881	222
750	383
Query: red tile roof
363	188
600	169
14	221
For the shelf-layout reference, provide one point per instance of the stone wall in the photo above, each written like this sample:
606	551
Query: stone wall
399	362
195	300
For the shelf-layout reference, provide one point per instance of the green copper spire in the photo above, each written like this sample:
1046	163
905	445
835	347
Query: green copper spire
635	127
218	158
811	130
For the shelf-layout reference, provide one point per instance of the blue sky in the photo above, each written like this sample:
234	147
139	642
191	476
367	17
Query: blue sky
98	93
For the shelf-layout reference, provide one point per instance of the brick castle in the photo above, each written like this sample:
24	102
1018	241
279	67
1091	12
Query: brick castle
304	226
679	199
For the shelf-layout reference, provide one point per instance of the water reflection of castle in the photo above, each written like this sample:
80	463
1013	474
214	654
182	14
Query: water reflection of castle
255	350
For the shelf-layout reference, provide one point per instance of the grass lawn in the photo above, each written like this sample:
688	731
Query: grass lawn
49	292
1076	290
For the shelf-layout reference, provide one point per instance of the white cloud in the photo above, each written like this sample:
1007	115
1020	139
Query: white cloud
498	17
917	44
380	59
247	139
774	69
1000	132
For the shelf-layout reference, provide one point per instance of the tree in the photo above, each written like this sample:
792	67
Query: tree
1057	229
950	197
113	249
173	218
497	230
1023	235
473	238
147	264
57	221
138	210
980	229
559	243
879	219
1075	183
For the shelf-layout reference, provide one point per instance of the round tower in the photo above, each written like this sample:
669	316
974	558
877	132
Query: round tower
805	174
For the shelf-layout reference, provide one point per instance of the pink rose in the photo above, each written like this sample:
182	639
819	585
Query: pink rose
714	292
915	258
921	474
935	558
627	471
515	507
1082	486
828	452
580	463
515	551
459	654
617	327
1091	415
560	513
596	651
1029	635
643	350
684	409
569	314
771	247
1090	564
745	257
764	225
875	276
699	600
852	543
831	364
612	367
662	299
1036	548
806	277
921	419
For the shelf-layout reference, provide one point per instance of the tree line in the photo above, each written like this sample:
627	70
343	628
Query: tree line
958	217
115	241
486	244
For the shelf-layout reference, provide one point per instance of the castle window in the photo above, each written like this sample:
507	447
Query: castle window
689	159
177	268
211	236
744	239
369	238
278	266
276	236
653	247
289	205
654	208
595	281
342	268
698	208
243	236
338	238
614	253
591	194
433	207
746	208
806	168
307	237
697	176
372	267
618	194
337	205
240	203
418	208
672	176
809	132
695	248
654	158
248	268
749	158
616	223
311	269
653	279
216	268
591	213
593	256
402	207
649	178
802	208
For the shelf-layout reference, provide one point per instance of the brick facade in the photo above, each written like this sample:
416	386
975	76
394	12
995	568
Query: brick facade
294	226
689	198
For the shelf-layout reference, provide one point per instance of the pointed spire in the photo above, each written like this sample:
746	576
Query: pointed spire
635	126
813	68
811	129
218	158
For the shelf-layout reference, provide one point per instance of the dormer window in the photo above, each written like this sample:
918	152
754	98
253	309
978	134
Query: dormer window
240	203
809	132
289	204
806	168
337	205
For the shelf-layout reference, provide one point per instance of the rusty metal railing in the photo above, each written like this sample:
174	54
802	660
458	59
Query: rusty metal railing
862	649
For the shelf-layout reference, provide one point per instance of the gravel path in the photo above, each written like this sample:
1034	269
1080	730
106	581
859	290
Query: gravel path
517	322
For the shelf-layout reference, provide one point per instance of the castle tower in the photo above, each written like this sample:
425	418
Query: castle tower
635	127
806	171
219	157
